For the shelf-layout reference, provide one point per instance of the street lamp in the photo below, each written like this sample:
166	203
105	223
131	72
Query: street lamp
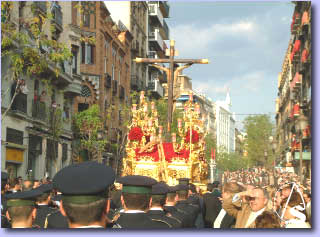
302	124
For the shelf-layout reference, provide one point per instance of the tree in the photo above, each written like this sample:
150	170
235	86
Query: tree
259	128
210	144
89	123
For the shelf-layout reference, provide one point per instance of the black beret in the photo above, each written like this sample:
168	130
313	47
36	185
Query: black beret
4	175
182	187
45	188
137	184
25	198
84	179
184	181
172	189
160	189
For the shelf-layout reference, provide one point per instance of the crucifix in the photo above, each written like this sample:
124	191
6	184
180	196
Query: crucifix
172	73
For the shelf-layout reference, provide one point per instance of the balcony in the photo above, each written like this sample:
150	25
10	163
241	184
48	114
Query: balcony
74	89
41	6
39	110
164	7
114	87
57	15
156	88
164	31
122	92
107	81
20	103
155	40
155	13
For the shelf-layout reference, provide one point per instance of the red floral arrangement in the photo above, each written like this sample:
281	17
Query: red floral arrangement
195	136
135	134
304	56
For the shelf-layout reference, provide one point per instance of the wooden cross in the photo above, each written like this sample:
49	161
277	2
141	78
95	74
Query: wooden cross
171	73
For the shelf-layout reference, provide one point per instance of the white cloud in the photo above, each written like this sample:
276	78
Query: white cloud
194	40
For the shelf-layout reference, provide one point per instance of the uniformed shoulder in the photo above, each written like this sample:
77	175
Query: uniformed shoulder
174	218
162	221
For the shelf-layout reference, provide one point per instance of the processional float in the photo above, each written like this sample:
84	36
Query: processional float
149	155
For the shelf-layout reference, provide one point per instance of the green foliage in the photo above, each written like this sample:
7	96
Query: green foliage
259	128
231	162
89	123
210	144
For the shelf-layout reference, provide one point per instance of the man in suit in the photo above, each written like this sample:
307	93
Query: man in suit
212	206
84	189
136	200
246	212
43	208
158	200
224	220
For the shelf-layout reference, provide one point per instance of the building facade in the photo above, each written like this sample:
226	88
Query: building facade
294	102
36	129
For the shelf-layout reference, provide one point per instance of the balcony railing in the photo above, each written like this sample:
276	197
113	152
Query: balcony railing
165	7
155	86
20	103
39	110
154	11
166	30
154	36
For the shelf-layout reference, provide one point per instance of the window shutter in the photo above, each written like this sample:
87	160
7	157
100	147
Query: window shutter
93	48
83	53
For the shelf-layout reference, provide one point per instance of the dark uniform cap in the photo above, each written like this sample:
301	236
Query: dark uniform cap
172	189
160	189
45	188
26	198
182	187
4	175
84	183
137	184
184	181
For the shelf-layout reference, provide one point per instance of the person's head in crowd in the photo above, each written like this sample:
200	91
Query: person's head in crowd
21	209
36	183
294	208
84	189
285	192
136	192
192	189
46	190
27	185
159	195
15	185
182	192
19	178
230	189
259	199
307	196
209	187
267	219
4	182
171	196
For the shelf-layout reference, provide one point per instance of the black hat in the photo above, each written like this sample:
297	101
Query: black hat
172	189
137	184
4	176
160	189
184	181
182	187
84	183
45	188
26	198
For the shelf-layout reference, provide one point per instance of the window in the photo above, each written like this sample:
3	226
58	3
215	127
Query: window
105	64
112	72
88	52
119	78
85	91
64	152
86	19
75	50
14	136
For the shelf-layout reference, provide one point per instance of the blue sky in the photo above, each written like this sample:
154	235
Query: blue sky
245	42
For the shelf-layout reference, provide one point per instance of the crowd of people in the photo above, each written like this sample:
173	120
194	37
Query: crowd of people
88	195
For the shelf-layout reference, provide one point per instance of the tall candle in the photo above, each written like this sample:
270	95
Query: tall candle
174	137
179	123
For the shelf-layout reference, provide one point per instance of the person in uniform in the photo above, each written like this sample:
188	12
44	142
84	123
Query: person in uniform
212	206
183	206
156	211
136	200
22	208
84	189
43	208
4	185
170	208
